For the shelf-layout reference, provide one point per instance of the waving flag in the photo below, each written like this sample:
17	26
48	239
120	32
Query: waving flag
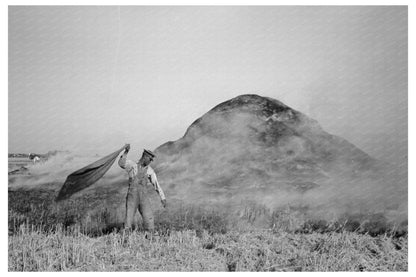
87	176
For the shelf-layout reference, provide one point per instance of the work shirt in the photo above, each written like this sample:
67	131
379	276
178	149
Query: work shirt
132	169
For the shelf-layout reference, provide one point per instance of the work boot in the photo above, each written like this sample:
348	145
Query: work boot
151	235
126	233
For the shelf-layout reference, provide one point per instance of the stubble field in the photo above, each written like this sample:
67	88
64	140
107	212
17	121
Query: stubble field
192	239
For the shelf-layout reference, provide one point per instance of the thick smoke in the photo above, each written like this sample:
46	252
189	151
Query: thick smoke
236	158
229	159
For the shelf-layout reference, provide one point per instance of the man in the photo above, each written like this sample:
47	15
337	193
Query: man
139	175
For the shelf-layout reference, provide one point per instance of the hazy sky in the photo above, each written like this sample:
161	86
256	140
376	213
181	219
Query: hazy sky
92	78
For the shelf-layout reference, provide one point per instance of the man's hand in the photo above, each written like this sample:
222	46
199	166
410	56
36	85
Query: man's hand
164	203
127	147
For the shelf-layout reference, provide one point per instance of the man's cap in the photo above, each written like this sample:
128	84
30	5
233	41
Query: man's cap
150	153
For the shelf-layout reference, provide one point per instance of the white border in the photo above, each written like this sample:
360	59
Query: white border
4	99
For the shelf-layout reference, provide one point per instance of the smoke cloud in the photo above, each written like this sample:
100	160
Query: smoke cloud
228	160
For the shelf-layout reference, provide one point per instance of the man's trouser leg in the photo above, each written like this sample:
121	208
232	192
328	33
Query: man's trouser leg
145	210
132	201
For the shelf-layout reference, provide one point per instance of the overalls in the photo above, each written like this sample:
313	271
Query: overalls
137	199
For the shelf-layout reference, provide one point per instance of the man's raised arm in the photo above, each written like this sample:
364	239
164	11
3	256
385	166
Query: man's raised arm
126	164
123	158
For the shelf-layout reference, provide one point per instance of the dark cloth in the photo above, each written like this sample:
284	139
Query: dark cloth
137	199
87	176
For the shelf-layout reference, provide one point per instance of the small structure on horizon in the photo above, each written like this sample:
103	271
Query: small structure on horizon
34	157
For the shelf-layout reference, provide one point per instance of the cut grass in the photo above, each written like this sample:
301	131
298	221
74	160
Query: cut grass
45	236
31	249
